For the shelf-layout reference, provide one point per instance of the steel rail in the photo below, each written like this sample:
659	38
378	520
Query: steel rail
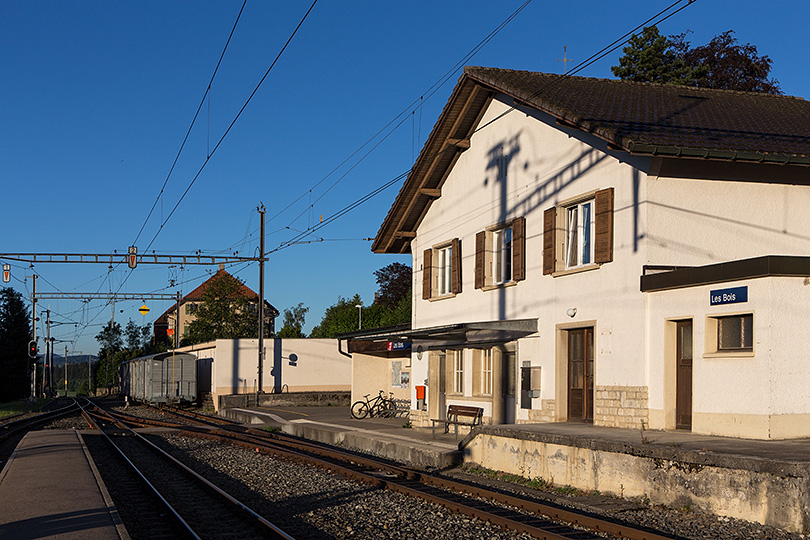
277	532
134	468
251	436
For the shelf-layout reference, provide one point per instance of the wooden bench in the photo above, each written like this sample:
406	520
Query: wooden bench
459	415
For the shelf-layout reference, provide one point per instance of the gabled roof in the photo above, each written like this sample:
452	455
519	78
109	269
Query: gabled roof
197	294
640	118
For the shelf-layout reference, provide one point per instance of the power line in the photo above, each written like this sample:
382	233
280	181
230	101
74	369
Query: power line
225	134
193	121
400	118
589	61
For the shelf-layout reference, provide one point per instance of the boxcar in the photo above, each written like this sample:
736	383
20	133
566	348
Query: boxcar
160	378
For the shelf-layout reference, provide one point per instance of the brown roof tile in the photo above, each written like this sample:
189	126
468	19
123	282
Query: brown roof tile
638	115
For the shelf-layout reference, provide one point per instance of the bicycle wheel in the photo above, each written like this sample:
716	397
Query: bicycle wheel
388	408
359	410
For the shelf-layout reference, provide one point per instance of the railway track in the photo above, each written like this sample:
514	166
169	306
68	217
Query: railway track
196	507
538	519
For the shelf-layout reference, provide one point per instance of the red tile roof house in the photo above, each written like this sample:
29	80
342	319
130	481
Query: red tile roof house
189	303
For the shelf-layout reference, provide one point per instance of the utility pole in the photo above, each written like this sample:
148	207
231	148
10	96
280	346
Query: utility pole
262	210
46	361
34	320
66	363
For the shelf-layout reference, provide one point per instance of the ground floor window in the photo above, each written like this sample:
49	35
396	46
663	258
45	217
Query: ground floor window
735	333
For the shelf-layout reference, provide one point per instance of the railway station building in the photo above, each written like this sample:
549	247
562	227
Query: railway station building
626	254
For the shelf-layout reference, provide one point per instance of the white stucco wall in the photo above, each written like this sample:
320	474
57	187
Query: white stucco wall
544	165
290	365
759	394
698	222
658	220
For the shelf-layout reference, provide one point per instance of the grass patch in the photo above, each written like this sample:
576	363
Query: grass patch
534	483
19	406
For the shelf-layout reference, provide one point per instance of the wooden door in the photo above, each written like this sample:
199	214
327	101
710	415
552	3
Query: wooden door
683	383
580	375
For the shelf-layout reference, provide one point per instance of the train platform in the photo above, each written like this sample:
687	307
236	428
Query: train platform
50	489
384	437
763	481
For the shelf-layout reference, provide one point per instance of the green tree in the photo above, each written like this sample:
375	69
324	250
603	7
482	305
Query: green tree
395	282
137	337
111	342
725	64
340	318
225	312
650	57
15	333
294	319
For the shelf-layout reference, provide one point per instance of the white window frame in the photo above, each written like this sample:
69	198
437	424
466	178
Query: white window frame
486	372
502	246
444	270
580	225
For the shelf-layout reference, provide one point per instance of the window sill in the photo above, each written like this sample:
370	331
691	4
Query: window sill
729	354
576	270
442	297
499	286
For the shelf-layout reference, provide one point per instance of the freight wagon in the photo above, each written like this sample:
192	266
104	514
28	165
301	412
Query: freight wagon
160	378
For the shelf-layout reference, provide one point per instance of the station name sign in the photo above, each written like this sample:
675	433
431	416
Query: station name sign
735	295
398	346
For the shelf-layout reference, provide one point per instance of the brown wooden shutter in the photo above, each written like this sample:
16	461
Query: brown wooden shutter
480	258
519	249
549	245
455	266
603	250
427	278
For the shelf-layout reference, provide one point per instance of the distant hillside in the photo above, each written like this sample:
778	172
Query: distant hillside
74	359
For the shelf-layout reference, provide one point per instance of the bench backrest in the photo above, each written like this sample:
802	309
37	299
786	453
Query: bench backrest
454	411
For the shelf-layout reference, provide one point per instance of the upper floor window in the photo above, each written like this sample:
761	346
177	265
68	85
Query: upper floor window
578	233
500	254
441	270
444	270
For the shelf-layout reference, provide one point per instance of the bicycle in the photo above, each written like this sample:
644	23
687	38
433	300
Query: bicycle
378	406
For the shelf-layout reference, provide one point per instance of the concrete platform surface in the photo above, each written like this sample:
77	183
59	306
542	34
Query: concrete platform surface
786	457
50	489
385	437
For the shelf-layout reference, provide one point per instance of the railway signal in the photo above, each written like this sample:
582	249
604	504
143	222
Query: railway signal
132	257
32	349
6	273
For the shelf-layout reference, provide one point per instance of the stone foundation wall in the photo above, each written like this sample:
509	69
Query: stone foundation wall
419	418
546	413
621	406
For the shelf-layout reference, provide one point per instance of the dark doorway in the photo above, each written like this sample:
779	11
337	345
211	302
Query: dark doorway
580	375
683	382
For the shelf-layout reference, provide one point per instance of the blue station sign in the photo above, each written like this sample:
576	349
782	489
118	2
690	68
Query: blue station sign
735	295
398	346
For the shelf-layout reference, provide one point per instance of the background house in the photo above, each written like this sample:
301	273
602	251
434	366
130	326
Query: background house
165	325
571	237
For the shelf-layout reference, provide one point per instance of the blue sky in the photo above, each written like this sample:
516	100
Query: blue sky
97	97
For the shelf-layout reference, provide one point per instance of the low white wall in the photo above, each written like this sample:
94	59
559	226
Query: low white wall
290	365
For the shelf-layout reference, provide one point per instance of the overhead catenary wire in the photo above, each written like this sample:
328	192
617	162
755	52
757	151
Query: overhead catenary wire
398	119
579	67
230	126
191	126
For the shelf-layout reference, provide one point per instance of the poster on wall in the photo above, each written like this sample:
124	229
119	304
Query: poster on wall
404	379
396	373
